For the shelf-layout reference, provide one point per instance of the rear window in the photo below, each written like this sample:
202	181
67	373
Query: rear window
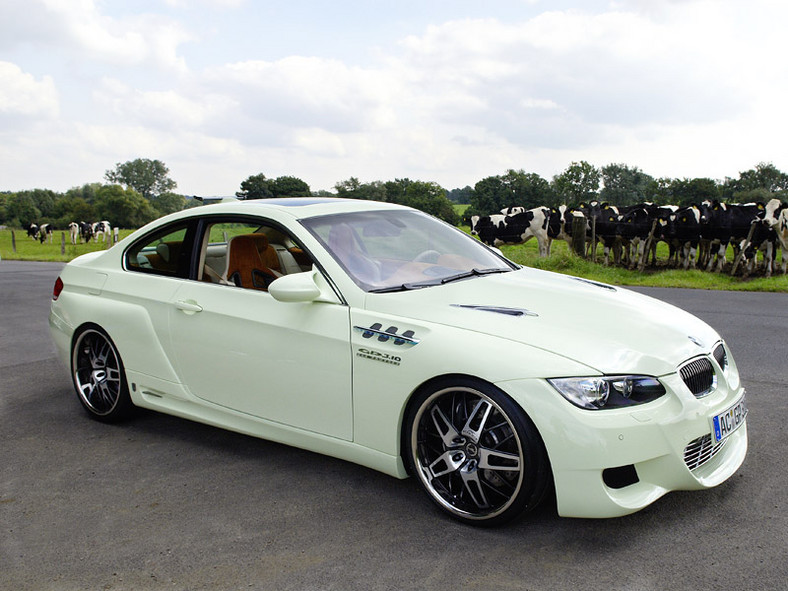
163	253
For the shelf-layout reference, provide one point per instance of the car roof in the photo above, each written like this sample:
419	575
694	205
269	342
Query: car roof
297	207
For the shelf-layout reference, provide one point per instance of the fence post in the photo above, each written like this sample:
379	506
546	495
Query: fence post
579	235
593	239
744	246
649	240
62	243
13	241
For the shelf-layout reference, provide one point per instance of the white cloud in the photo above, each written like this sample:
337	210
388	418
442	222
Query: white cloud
166	110
22	94
691	88
78	27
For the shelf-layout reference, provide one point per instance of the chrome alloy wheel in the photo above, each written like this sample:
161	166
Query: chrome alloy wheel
98	374
467	453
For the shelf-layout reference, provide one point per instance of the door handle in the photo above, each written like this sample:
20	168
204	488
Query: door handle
188	306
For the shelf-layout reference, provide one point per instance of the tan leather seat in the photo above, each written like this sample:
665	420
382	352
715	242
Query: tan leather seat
267	252
245	266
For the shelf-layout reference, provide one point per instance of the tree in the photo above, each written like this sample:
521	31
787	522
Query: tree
21	210
428	197
490	195
577	183
147	177
462	196
73	208
515	187
44	200
168	203
255	187
354	189
684	192
763	176
86	191
289	186
124	208
527	190
626	186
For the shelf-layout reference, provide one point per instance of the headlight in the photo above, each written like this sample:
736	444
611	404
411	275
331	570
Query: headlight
608	391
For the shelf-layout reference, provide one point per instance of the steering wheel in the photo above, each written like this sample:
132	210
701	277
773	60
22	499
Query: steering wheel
427	256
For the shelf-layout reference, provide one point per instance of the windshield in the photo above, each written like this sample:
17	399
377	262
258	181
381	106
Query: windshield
398	250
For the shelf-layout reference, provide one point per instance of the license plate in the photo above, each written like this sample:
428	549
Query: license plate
725	423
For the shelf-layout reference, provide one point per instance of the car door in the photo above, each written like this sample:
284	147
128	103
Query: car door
285	362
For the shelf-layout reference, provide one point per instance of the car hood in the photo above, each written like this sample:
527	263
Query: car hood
609	329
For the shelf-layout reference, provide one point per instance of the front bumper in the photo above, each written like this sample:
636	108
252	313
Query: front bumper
647	444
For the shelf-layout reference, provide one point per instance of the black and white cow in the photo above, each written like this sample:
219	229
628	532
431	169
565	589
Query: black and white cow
73	232
715	233
741	218
32	231
776	216
682	230
512	210
763	239
102	230
44	232
635	228
486	227
603	222
85	231
515	229
559	226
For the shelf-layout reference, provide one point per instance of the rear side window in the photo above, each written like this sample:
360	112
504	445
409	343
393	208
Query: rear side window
166	252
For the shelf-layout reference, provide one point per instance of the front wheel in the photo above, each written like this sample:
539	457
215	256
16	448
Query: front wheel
475	452
99	378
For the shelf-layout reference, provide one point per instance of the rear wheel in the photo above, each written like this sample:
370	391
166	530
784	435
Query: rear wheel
99	377
475	452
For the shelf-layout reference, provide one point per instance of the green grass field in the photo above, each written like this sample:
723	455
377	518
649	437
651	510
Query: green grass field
32	250
560	261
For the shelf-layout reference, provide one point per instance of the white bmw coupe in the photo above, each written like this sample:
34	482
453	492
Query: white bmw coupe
378	334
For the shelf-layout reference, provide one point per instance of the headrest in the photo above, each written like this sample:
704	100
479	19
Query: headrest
259	240
163	250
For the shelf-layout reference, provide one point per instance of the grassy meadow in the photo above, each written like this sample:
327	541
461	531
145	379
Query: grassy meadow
28	249
562	260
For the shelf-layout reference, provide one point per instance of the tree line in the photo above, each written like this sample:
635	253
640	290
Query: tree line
138	191
620	185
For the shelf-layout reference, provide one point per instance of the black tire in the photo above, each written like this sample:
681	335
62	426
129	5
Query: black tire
99	376
475	452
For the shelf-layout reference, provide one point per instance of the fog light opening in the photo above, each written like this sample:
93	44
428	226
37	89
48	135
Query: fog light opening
620	477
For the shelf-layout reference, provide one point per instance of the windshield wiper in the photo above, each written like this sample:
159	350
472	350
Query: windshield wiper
403	287
440	281
474	273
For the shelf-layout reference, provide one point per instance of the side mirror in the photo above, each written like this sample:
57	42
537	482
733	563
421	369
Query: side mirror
301	287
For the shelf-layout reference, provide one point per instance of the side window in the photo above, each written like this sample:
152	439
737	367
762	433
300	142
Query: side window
248	253
163	253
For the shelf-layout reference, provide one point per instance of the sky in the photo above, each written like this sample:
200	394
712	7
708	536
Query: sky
449	91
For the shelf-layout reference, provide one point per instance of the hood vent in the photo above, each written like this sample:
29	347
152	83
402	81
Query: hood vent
595	283
497	309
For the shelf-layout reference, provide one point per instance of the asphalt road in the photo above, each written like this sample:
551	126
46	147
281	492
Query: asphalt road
163	503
